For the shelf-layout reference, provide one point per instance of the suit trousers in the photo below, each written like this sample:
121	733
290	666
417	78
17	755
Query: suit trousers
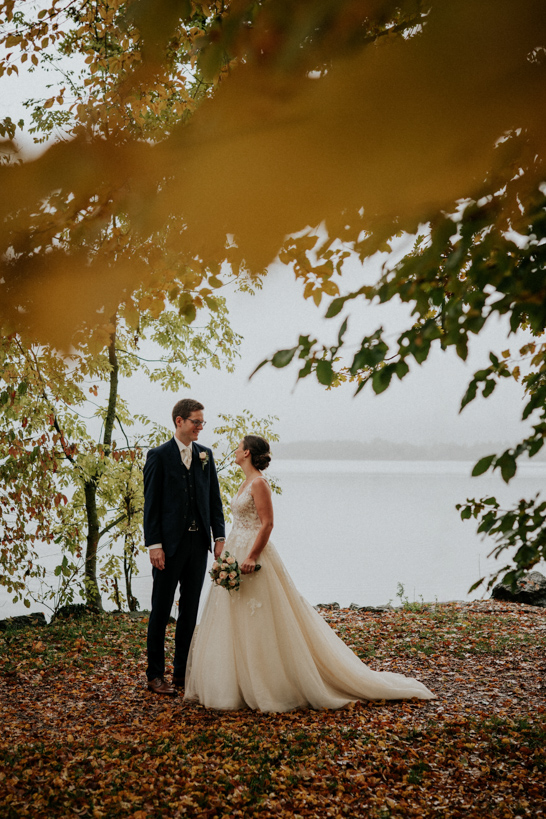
186	567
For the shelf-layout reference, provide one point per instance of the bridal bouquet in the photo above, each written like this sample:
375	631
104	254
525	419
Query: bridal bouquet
227	573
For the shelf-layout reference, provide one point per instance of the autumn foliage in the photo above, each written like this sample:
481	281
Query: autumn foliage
230	125
83	737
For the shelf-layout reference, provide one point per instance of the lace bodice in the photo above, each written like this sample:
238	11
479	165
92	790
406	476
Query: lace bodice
245	516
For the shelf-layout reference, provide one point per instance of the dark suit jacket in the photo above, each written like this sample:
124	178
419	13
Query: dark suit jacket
166	503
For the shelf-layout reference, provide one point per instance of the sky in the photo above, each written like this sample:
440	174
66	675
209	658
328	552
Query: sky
423	408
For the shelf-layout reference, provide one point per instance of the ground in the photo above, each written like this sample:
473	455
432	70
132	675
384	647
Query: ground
82	736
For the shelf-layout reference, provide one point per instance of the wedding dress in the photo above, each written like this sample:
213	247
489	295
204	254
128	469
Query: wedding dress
265	647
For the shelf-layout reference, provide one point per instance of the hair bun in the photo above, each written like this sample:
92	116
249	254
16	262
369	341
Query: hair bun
262	461
259	451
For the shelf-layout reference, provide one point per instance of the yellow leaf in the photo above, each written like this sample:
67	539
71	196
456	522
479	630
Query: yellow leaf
330	288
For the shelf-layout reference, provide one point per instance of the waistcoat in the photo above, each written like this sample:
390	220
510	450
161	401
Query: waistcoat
189	476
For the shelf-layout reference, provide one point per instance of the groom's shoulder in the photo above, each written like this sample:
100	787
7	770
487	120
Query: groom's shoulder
161	449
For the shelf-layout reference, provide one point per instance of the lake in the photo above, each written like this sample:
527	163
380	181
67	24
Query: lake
351	531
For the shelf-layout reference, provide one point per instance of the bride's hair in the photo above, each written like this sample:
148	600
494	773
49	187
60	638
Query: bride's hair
260	454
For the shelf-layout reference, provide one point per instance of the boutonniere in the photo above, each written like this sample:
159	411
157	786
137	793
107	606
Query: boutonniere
204	458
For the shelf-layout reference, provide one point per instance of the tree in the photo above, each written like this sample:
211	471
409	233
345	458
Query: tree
70	461
340	104
72	452
367	119
66	482
104	94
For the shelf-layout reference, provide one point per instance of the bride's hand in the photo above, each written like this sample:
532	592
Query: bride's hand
248	565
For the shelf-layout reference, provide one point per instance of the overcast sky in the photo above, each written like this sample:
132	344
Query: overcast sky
421	408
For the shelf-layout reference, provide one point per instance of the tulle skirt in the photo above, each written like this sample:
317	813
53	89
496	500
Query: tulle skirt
265	647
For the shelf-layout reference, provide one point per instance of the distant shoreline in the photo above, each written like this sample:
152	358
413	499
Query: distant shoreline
381	450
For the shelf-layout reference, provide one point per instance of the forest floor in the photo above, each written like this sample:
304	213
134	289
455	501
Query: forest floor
81	735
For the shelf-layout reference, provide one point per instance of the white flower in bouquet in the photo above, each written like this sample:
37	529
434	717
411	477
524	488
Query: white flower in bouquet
230	560
232	575
222	575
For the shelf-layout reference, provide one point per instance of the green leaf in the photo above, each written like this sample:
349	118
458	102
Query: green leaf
361	386
535	446
508	466
259	367
483	465
402	369
381	379
489	387
283	357
325	374
342	331
335	307
469	395
186	308
306	369
466	513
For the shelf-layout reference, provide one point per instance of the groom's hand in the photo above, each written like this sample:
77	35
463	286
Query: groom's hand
157	558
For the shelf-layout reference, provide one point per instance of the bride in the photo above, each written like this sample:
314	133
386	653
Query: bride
264	646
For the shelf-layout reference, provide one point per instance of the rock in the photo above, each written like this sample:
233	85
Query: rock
74	610
23	621
327	606
531	589
376	609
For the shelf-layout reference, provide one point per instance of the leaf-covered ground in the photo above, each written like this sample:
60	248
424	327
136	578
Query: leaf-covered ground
82	737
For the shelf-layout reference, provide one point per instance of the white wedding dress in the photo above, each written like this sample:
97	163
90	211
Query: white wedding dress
265	647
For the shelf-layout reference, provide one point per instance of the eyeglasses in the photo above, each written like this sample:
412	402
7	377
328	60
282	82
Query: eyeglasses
197	423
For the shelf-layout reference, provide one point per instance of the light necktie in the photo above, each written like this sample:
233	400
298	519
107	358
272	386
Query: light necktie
185	453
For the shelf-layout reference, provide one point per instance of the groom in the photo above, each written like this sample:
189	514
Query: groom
181	505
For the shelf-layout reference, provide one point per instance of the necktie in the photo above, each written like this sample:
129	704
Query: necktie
185	454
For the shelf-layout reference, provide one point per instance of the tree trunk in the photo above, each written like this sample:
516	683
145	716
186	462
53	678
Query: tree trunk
117	597
132	602
92	591
113	396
